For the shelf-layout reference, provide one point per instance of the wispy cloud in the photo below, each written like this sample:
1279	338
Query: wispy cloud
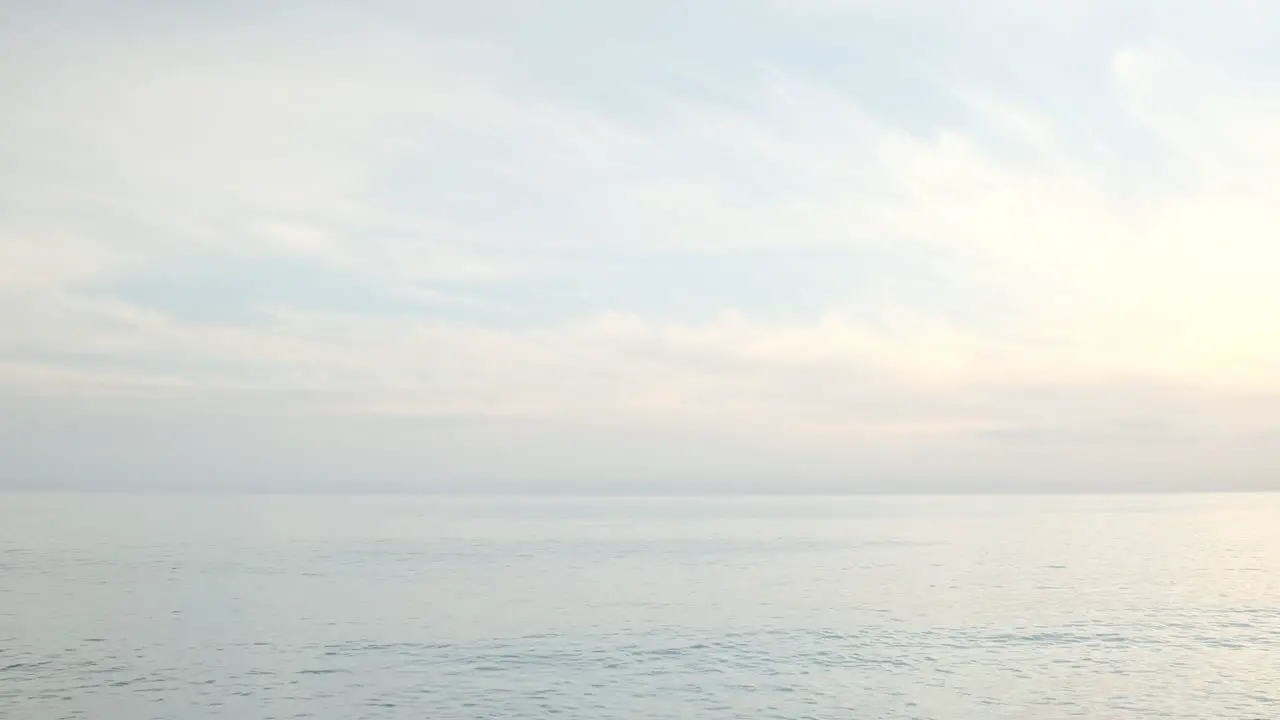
857	238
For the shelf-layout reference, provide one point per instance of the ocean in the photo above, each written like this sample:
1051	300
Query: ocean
129	607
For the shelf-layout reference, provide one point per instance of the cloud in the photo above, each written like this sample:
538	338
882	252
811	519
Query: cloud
939	268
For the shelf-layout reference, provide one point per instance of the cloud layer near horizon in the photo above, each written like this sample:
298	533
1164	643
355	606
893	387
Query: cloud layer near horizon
637	246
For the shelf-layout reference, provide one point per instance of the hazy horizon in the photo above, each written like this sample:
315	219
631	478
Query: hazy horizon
818	246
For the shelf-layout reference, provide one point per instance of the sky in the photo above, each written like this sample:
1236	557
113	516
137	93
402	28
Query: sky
640	247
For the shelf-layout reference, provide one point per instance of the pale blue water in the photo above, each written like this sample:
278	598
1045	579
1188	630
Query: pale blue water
131	607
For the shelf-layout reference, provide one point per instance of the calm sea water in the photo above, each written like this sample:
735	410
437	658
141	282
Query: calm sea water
135	607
